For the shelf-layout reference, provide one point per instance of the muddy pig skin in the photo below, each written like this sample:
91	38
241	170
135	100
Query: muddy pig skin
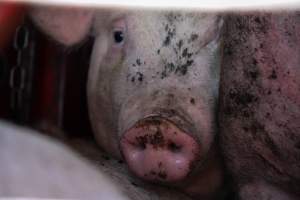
35	166
260	104
152	89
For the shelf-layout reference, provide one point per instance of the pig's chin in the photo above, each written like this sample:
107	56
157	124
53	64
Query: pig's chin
157	150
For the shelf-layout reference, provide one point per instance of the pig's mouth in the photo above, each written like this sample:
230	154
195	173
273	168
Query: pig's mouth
155	149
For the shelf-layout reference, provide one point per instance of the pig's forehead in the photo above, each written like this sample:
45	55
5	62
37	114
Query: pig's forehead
154	21
186	21
167	29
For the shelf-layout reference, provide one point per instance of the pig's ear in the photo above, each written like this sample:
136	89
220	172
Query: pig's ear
67	25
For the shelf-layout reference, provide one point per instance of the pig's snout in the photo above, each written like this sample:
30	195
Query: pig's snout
157	150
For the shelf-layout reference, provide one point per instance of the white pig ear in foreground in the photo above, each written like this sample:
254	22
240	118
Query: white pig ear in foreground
67	25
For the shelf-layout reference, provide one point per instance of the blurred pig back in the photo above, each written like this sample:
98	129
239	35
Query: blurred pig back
260	103
33	165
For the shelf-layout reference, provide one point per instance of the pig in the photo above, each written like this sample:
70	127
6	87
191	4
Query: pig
33	165
36	166
152	89
260	104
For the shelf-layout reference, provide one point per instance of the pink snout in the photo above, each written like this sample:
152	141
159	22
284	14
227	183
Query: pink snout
157	150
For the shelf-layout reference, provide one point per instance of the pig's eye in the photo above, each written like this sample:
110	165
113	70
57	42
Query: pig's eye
119	32
118	36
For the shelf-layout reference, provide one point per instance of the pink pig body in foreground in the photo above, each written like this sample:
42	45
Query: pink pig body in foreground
35	166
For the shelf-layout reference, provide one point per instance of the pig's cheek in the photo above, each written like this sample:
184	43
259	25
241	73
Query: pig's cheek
114	57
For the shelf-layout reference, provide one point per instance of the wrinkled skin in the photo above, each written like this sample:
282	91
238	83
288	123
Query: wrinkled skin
260	104
36	166
152	96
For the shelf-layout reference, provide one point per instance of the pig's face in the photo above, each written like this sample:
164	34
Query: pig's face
152	90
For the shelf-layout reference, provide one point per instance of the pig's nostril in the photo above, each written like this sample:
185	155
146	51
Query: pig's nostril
141	145
174	147
141	142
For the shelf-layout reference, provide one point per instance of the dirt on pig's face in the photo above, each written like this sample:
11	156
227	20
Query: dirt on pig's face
156	72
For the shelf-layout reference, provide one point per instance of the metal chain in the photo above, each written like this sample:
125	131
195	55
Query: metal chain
22	73
18	72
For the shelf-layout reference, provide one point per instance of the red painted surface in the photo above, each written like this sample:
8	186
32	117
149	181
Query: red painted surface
11	14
